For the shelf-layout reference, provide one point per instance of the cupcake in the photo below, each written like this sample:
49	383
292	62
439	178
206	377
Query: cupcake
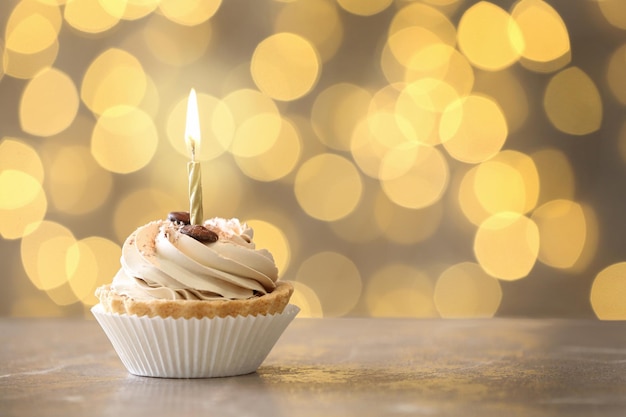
194	301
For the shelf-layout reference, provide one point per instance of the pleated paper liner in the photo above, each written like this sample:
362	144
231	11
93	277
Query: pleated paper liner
193	348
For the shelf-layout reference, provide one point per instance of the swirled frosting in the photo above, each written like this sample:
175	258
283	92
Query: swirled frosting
160	262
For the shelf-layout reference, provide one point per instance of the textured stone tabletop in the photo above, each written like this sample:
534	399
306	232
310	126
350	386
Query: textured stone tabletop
334	367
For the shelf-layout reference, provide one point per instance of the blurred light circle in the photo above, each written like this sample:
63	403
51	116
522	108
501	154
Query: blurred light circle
175	44
328	187
257	122
507	182
278	161
97	264
124	139
114	78
336	112
489	37
400	290
473	129
17	189
129	9
506	245
46	254
364	8
573	103
49	103
303	17
305	298
285	66
563	232
608	292
78	185
546	40
89	16
140	207
413	175
335	279
189	12
464	290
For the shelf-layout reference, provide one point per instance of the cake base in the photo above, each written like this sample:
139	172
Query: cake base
271	303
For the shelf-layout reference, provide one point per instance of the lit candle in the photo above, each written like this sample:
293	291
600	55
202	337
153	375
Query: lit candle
192	138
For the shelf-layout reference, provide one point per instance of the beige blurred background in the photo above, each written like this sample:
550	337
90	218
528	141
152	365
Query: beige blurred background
435	158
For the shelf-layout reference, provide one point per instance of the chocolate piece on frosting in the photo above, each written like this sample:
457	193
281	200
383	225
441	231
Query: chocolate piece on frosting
179	217
200	233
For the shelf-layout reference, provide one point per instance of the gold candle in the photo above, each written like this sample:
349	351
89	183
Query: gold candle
192	138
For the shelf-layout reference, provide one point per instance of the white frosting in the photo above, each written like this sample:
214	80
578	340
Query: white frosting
159	262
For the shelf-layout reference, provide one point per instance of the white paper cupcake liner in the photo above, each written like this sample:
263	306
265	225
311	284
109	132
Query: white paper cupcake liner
193	348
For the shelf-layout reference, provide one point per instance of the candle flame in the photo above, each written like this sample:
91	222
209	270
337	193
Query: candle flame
192	127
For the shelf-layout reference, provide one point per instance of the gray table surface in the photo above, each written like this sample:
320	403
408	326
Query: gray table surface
334	367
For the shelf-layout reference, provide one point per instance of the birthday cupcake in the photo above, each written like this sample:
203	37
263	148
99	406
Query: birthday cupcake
194	301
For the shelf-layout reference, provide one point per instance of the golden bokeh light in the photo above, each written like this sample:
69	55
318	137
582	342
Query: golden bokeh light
89	16
506	245
563	232
556	174
442	62
608	292
615	71
335	279
507	90
358	227
175	44
141	207
489	37
124	139
130	9
303	17
419	106
403	225
414	176
405	43
467	198
32	28
473	129
289	58
278	161
365	149
78	185
573	103
546	39
364	8
22	199
427	17
114	78
400	290
46	254
614	11
507	182
328	187
305	298
96	261
217	126
17	189
189	12
31	38
49	103
465	290
336	112
257	122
